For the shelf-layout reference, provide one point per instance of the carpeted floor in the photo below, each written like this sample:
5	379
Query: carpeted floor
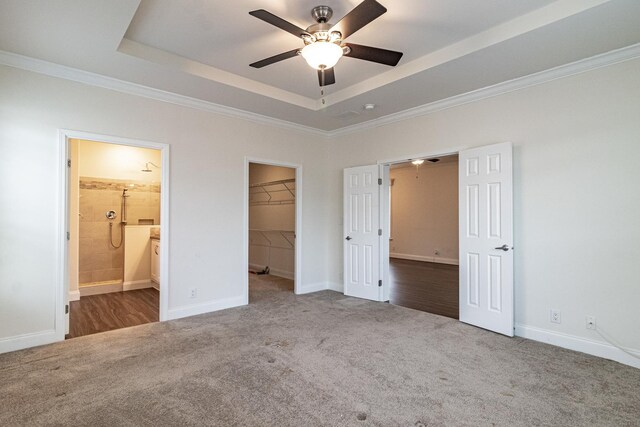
318	359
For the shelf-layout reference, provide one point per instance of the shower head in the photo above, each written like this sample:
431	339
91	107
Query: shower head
147	169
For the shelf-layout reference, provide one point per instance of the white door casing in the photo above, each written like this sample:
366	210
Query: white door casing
486	237
361	238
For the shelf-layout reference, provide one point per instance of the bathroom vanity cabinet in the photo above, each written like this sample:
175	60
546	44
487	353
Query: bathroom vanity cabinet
155	260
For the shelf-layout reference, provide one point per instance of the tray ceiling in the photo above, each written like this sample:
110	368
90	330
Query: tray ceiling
202	49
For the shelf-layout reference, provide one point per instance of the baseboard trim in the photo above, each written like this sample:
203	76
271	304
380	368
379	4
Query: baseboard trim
274	271
74	295
206	307
21	342
312	287
438	260
137	284
584	345
110	287
336	286
102	288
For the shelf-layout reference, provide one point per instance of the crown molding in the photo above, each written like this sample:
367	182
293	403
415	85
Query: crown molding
518	26
198	69
562	71
93	79
68	73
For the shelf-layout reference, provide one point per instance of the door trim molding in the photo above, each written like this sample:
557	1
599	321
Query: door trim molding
297	283
63	216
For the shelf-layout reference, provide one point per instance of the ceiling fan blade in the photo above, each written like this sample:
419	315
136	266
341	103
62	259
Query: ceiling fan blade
374	54
275	58
364	13
326	77
278	22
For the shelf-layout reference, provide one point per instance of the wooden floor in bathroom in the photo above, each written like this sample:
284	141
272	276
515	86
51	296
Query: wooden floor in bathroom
105	312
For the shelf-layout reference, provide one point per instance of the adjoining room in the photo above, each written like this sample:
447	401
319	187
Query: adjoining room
423	243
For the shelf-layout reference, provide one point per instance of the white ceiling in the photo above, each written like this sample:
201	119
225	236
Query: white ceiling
441	161
202	48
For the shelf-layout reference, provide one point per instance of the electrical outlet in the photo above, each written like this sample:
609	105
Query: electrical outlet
193	292
556	316
591	322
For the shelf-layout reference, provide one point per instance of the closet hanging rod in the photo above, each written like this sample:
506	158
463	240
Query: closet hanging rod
266	184
267	189
282	233
272	202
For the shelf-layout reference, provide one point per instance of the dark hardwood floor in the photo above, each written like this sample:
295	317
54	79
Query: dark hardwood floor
101	313
425	286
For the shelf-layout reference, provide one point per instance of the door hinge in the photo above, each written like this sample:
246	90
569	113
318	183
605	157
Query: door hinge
379	231
66	309
68	163
379	181
380	283
68	236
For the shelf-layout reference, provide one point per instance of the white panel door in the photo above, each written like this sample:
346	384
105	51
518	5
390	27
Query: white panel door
486	237
361	239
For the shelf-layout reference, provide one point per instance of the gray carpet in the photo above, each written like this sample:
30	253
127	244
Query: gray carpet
319	359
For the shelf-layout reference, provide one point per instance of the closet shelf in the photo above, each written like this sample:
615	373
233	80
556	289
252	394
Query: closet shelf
273	237
280	192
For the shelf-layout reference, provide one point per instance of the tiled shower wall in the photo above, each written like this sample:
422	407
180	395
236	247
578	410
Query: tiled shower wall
99	261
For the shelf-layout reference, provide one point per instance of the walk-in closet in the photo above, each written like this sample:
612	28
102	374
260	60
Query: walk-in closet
272	224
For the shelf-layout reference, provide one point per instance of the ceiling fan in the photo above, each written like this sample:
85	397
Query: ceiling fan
323	42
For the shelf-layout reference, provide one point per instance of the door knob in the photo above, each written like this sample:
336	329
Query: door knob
503	248
348	238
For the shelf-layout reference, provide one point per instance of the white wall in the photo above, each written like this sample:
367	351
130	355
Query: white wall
206	194
112	161
424	212
272	248
576	150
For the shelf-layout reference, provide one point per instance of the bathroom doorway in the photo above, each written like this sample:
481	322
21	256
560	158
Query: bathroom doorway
272	224
115	215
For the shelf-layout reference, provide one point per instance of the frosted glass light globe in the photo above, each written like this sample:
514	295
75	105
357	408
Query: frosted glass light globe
321	54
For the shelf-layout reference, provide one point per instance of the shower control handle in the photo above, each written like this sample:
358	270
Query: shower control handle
111	214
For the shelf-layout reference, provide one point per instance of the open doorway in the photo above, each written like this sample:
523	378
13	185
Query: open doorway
272	225
114	219
423	241
483	178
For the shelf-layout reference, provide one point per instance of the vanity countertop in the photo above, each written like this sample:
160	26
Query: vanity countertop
154	233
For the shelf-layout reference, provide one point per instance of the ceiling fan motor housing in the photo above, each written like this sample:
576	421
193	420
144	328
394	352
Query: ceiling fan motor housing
320	30
321	14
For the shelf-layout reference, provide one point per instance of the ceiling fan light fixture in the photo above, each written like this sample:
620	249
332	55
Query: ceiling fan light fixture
322	54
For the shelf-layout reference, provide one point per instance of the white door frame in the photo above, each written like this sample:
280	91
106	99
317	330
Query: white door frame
62	278
297	284
385	209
